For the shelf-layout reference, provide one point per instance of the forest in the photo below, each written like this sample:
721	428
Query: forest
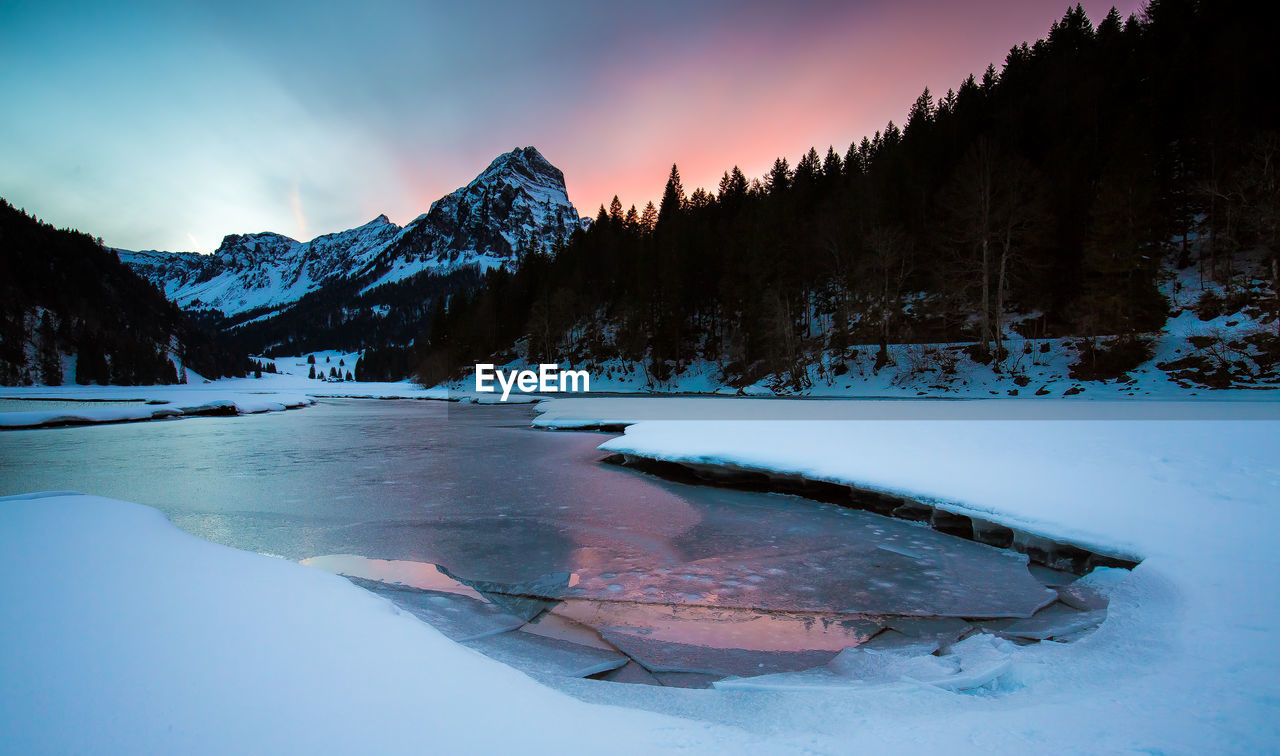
342	315
67	300
1040	198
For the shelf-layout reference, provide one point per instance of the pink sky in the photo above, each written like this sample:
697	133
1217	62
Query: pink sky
168	126
744	100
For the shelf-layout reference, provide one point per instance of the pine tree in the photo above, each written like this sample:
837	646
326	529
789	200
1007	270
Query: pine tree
808	169
733	187
1111	28
779	177
50	361
672	197
649	218
831	164
853	160
989	78
922	112
85	372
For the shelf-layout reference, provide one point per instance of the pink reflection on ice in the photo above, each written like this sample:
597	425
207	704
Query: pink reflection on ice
422	575
715	627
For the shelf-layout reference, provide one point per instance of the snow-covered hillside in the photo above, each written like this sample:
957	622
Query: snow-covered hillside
252	271
518	204
1220	338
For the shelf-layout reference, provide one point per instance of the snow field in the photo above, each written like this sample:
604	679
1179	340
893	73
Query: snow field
1186	659
122	634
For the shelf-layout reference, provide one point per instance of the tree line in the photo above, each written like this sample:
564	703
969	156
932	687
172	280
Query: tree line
65	297
1052	189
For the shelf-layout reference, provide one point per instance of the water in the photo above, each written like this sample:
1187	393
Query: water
387	490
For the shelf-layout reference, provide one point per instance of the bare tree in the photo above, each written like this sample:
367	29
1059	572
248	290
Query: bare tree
969	203
1258	190
1021	219
995	213
888	263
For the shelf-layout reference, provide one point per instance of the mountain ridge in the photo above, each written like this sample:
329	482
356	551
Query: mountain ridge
516	205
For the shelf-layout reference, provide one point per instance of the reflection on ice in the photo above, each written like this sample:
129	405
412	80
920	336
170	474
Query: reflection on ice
724	628
871	566
541	627
555	626
427	577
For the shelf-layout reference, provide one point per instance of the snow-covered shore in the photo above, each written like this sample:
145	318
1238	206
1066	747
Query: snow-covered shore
1186	660
79	405
119	633
156	641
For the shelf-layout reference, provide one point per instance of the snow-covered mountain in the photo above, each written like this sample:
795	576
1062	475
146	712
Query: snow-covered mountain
252	271
517	205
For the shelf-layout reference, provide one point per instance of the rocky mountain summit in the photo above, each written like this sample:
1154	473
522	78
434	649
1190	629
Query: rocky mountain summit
516	206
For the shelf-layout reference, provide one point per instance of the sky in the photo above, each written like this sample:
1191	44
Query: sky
169	125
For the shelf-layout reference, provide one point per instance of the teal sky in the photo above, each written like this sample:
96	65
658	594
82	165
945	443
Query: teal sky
169	125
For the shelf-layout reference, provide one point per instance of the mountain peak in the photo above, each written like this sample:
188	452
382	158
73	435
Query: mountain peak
518	205
525	162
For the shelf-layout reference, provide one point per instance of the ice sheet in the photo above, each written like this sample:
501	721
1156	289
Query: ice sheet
1053	621
724	628
547	656
458	617
664	656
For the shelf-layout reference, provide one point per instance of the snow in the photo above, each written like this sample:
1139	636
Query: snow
1124	487
1185	660
615	411
289	389
1043	376
121	634
978	661
201	638
266	270
145	403
1036	368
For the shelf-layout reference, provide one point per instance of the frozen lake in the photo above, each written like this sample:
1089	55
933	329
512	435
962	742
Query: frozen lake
522	544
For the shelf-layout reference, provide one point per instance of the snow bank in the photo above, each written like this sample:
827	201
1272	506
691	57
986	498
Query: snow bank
1186	659
619	411
1134	487
146	403
227	396
121	634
